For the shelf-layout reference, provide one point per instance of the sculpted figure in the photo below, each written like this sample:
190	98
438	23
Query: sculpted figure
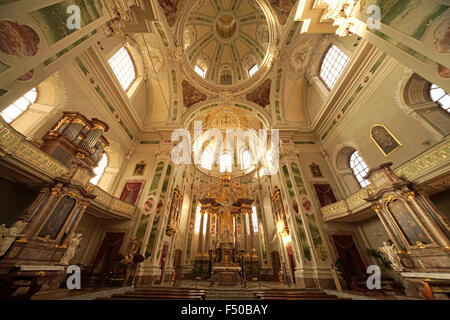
8	235
390	253
71	247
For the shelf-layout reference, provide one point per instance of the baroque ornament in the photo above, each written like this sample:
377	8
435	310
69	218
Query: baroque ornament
340	11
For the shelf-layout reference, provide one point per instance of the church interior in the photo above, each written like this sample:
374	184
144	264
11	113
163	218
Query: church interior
224	149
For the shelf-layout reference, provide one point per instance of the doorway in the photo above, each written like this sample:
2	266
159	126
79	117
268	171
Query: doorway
350	262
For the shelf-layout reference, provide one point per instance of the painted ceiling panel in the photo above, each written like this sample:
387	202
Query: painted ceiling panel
236	31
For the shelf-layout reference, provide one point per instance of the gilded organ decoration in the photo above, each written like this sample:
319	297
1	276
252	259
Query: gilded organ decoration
76	138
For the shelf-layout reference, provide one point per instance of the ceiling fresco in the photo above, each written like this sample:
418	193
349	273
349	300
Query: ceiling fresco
225	39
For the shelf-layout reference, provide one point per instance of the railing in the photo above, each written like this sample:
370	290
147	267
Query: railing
23	153
15	148
109	203
351	205
426	165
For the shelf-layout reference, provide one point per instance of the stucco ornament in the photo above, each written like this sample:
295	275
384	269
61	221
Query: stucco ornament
178	55
300	56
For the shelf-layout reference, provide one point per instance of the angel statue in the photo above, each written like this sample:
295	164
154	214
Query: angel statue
8	235
390	253
71	247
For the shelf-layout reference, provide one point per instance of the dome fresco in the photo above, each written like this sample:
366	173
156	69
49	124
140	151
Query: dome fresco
226	43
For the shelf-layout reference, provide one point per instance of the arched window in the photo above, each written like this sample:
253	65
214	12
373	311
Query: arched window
123	67
100	169
19	106
246	161
440	96
359	168
332	66
206	161
254	220
225	162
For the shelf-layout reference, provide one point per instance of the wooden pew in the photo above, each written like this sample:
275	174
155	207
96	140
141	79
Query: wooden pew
11	283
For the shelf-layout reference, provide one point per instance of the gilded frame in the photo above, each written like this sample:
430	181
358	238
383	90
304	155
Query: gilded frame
399	144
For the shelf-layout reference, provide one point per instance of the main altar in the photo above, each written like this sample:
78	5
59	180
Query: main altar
228	203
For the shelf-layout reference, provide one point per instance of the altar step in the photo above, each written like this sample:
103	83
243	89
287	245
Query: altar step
233	294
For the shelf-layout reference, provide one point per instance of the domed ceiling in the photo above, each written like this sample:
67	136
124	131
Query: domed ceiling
226	42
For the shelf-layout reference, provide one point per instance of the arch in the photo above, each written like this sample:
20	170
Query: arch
34	122
344	171
112	169
100	169
417	100
245	105
18	107
333	64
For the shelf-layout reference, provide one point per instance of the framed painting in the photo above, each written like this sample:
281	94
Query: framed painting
315	170
139	169
384	139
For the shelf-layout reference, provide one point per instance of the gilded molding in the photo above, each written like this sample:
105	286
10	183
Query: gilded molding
14	143
427	161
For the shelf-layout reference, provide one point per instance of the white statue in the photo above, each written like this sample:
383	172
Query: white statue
71	247
390	253
8	235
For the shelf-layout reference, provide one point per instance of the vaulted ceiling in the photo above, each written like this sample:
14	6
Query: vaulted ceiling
225	38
